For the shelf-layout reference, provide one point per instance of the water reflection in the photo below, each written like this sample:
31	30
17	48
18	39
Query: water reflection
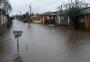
76	39
29	25
18	58
41	43
1	48
75	44
73	39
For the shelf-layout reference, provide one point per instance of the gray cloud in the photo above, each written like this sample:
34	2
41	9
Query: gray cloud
37	5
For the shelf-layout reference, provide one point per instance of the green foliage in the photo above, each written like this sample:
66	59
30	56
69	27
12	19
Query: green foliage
73	10
5	5
10	21
2	1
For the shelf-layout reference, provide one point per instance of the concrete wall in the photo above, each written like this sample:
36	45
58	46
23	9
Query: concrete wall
3	22
42	19
87	22
86	12
62	20
58	20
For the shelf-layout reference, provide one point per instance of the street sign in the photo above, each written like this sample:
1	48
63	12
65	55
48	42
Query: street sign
17	34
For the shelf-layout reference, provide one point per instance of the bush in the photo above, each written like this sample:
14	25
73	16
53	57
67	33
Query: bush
9	23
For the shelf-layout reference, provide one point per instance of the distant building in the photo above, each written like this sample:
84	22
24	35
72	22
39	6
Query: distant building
36	19
62	18
57	18
48	18
3	20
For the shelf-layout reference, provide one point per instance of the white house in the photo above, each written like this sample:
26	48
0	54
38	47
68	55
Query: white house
62	18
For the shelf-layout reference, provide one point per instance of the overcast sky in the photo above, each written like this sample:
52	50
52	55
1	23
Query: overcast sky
38	6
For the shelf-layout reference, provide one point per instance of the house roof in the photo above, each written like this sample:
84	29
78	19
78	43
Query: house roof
85	10
48	14
36	16
61	12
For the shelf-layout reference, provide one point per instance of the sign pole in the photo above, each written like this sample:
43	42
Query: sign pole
17	45
17	34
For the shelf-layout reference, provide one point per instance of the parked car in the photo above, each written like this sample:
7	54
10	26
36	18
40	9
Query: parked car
25	20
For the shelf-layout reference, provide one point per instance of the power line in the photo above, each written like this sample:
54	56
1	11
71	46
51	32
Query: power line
50	3
44	1
46	5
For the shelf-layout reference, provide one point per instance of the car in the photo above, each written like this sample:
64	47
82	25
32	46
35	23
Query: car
25	20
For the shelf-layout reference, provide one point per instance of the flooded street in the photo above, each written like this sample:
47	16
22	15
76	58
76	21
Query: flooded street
44	43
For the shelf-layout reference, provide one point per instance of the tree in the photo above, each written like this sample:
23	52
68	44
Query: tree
2	1
5	5
73	10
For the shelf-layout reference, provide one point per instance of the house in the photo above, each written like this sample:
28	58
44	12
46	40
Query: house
3	20
62	18
57	18
86	17
36	19
48	18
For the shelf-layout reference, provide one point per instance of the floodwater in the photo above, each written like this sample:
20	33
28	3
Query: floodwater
44	43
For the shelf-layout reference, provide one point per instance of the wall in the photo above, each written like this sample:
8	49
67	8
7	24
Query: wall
88	22
62	20
3	22
86	12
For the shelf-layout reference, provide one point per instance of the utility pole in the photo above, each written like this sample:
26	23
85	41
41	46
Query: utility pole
20	15
61	9
30	9
20	12
30	13
61	13
71	1
71	4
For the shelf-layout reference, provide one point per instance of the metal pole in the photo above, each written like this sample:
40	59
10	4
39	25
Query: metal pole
17	45
30	13
71	1
30	9
61	14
